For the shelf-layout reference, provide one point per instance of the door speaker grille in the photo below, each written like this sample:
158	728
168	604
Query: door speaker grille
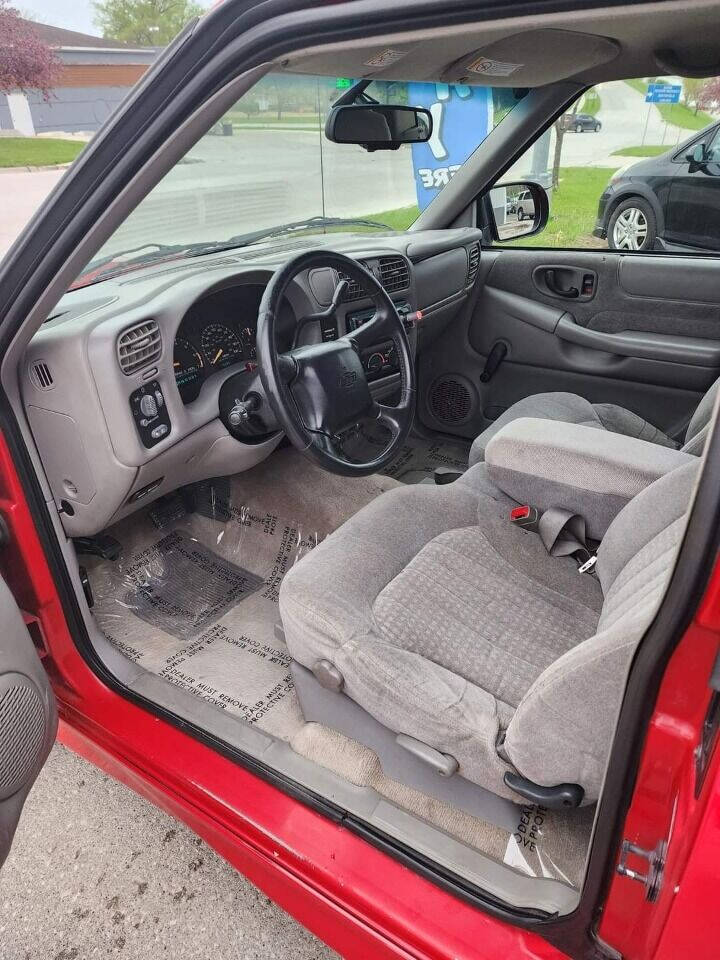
452	399
22	731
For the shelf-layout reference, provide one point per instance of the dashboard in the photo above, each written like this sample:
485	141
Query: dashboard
121	386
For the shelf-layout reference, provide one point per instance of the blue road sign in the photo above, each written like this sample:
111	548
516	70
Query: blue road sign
663	93
462	118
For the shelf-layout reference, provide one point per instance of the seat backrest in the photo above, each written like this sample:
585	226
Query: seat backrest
700	421
563	727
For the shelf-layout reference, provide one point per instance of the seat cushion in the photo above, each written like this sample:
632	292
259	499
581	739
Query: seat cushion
571	408
439	615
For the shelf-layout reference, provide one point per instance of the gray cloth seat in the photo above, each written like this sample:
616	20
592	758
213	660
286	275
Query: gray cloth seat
449	625
572	408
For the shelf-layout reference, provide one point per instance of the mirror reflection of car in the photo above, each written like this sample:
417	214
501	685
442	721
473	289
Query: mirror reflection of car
667	202
525	206
580	122
511	210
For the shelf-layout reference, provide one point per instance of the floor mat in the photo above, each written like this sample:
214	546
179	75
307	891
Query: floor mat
194	599
194	596
545	843
419	457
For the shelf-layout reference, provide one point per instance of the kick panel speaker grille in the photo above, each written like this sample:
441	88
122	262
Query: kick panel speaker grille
22	731
452	399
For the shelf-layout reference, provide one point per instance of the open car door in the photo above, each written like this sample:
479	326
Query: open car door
28	716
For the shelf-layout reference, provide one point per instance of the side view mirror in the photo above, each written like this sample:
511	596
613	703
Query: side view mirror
697	158
515	210
378	126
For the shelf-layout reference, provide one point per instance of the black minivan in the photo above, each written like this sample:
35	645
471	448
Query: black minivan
667	202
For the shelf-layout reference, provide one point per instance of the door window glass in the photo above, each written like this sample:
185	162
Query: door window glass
633	165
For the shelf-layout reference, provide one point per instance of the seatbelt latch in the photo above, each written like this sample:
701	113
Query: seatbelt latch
589	565
525	516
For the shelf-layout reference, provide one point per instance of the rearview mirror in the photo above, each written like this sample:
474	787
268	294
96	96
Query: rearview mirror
513	210
378	126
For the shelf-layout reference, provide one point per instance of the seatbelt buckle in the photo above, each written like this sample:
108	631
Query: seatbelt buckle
525	517
589	565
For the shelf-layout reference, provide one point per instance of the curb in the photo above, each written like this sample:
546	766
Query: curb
54	166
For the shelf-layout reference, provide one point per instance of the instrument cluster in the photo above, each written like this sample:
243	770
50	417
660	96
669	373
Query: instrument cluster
217	332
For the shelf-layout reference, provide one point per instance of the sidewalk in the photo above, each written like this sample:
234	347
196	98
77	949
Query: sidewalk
23	192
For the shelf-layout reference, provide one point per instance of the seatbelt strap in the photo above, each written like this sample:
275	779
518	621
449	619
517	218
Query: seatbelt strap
563	535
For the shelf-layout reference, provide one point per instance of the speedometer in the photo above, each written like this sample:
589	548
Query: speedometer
221	346
189	369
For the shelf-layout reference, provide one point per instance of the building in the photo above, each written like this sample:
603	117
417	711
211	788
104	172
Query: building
95	76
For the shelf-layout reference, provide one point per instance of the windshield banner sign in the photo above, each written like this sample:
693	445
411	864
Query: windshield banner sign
462	118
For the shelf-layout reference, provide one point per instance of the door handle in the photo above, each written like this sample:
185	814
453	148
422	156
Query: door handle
570	293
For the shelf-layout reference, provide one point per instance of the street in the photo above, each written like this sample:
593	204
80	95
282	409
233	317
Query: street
96	871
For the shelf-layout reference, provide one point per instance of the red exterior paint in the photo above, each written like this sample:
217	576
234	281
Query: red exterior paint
361	902
358	900
664	806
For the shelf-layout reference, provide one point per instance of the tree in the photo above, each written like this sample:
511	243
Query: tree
152	23
698	93
26	63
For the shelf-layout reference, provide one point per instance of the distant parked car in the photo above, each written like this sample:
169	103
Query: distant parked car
667	202
580	122
525	205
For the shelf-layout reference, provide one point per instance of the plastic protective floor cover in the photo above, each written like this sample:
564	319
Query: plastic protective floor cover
194	598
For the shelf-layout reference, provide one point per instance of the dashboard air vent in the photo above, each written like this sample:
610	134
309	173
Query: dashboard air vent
394	273
354	291
139	345
473	263
41	376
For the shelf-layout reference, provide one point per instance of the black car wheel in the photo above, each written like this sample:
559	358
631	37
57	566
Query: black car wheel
632	226
597	128
578	128
520	213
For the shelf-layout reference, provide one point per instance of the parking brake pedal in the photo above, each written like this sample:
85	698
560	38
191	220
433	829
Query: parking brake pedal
99	546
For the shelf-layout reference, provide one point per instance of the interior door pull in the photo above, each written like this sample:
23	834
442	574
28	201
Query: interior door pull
569	293
495	358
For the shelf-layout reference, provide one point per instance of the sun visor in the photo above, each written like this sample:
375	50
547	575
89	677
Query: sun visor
532	59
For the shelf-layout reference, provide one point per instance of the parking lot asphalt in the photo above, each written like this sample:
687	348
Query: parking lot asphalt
96	871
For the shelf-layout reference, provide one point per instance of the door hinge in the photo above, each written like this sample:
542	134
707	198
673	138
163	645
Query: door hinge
652	878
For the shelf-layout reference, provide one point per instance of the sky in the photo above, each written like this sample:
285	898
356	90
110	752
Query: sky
71	14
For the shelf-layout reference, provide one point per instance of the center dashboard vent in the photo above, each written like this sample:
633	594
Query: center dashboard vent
139	345
473	254
393	273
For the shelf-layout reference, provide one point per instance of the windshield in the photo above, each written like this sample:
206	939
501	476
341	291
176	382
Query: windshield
267	168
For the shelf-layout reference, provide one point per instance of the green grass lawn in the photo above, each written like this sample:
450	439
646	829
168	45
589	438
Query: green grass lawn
592	103
573	209
36	151
683	116
399	219
648	150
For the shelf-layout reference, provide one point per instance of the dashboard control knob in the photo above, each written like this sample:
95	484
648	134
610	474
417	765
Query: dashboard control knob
148	405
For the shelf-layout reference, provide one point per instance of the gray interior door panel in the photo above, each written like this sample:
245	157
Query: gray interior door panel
646	338
28	717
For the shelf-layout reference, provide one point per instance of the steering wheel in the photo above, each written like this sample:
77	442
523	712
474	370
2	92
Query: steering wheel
319	392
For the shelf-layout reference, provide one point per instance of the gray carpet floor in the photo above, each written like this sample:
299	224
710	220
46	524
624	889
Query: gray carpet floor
194	599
